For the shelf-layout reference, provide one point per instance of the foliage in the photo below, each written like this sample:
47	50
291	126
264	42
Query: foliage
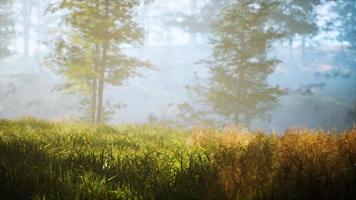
346	25
90	49
237	89
299	17
346	10
43	160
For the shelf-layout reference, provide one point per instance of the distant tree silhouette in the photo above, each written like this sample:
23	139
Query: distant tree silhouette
299	18
237	88
346	10
7	25
346	59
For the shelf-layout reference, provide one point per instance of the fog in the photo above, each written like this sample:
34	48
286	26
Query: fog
314	72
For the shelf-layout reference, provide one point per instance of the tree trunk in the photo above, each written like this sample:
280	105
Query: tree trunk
290	49
145	22
239	99
95	80
99	117
27	12
100	97
193	12
102	71
303	50
95	87
93	106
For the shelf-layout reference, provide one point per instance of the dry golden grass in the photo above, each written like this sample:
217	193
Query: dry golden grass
298	162
42	160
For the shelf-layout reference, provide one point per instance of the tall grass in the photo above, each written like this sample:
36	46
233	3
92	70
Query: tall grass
42	160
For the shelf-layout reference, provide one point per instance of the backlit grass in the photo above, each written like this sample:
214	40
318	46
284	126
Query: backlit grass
42	160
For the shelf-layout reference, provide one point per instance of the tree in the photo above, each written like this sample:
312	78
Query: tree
6	27
346	60
347	13
27	23
200	18
299	18
237	89
346	9
31	8
343	22
89	52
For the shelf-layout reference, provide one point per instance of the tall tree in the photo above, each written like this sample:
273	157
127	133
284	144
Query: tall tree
27	6
237	89
89	52
299	18
346	9
200	18
6	27
346	59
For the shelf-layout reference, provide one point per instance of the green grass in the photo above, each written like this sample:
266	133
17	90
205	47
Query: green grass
43	160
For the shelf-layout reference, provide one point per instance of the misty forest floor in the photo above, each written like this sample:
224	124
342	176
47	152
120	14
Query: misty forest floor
43	160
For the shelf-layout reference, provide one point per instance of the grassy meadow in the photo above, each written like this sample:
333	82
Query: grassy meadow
43	160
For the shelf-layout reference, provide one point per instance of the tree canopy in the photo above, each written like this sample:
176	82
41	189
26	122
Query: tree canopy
89	51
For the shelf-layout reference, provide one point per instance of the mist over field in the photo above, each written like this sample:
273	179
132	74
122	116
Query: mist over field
315	68
177	99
